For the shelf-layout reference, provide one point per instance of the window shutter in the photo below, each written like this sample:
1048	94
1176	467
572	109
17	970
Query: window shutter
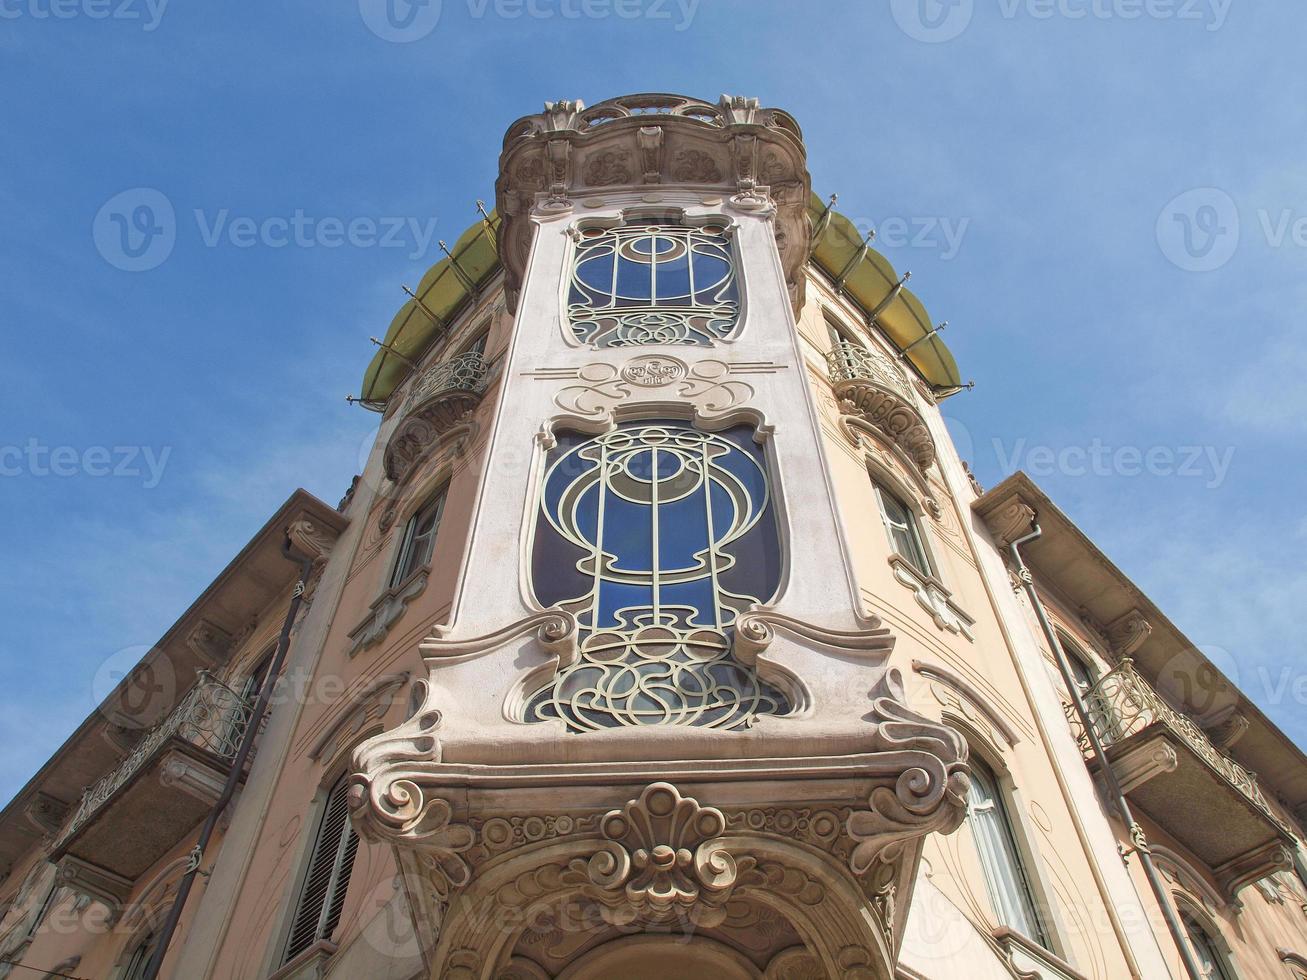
322	897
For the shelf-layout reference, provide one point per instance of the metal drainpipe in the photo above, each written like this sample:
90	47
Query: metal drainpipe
1137	836
237	767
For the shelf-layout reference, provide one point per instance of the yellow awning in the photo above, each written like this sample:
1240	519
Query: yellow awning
870	282
446	286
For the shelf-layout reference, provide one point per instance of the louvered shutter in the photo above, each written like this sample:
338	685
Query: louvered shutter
323	894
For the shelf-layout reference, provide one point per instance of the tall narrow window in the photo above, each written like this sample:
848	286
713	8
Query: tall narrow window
139	960
322	896
1210	958
650	283
904	533
1005	874
418	540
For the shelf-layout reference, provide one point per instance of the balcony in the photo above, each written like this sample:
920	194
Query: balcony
439	399
1169	768
140	810
873	391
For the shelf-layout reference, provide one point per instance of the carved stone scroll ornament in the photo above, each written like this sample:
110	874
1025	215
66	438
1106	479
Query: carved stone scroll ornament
734	147
929	796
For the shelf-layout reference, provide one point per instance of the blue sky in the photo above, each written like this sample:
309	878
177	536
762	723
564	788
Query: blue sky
1102	198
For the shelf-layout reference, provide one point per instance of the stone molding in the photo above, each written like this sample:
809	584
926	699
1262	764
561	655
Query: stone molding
210	642
46	813
385	611
934	598
1127	633
182	771
737	148
97	884
1257	863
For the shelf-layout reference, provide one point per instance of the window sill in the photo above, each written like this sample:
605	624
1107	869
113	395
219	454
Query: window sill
309	965
933	597
1029	959
385	612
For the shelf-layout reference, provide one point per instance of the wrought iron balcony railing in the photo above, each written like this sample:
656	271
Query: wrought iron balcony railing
853	362
212	717
1122	704
466	372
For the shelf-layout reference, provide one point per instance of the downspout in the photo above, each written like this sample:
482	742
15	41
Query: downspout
1114	792
237	767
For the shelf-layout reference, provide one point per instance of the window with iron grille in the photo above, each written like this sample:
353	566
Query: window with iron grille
322	895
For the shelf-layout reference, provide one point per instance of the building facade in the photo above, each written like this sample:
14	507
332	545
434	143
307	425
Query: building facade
665	633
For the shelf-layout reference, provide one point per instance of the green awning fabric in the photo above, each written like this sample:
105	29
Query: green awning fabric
446	286
443	290
869	283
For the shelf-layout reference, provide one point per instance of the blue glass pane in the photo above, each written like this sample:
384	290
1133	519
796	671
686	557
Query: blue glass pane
687	540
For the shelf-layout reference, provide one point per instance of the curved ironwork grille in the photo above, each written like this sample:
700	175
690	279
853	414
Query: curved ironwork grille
644	284
656	536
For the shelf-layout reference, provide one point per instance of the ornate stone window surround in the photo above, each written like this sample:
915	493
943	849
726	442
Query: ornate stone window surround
1193	909
679	211
791	686
997	758
929	590
391	601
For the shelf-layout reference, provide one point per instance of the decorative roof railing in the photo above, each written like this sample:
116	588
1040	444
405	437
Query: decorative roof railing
466	372
853	362
1122	704
212	717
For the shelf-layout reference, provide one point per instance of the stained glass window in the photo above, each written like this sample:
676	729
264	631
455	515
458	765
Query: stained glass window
656	536
647	283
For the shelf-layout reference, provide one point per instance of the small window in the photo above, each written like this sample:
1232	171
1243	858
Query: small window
904	532
1081	670
478	346
419	538
322	896
1210	958
1005	873
47	903
139	960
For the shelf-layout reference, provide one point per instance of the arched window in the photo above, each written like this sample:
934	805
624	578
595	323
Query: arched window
1211	959
1082	668
903	529
322	893
139	959
647	282
656	536
1005	872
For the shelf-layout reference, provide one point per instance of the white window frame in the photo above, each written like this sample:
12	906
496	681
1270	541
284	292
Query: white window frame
405	567
920	562
993	830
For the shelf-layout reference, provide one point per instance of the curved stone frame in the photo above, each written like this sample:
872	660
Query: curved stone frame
797	693
845	940
915	491
1186	904
674	215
